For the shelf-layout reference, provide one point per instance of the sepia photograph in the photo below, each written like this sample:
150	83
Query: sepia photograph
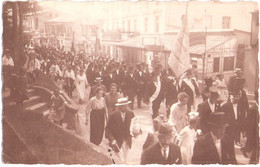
130	82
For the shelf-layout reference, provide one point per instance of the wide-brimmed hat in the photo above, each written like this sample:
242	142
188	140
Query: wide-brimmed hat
165	129
217	120
122	101
98	79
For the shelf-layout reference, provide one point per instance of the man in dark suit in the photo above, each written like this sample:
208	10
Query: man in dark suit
108	78
91	74
164	151
213	147
118	131
99	73
171	93
119	75
155	93
140	79
206	108
130	86
232	83
235	112
189	86
252	135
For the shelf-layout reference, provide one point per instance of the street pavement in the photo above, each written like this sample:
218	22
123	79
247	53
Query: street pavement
145	116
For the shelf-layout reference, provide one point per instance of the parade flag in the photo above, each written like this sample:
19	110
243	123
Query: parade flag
179	60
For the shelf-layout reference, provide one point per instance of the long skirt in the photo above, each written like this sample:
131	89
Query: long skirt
81	90
97	125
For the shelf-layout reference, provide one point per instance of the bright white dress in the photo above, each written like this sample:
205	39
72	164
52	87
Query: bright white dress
222	89
178	116
81	82
187	139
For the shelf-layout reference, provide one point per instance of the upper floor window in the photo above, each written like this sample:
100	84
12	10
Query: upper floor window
157	23
145	24
226	22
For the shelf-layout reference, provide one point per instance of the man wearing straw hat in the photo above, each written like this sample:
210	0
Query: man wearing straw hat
213	147
164	151
119	129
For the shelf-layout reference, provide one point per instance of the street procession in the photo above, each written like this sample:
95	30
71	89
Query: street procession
130	82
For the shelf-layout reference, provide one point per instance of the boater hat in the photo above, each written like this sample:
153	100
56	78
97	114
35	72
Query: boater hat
98	79
122	101
238	70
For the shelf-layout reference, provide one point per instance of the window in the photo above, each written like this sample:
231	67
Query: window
157	21
216	64
36	23
135	25
123	26
145	24
128	26
228	63
226	22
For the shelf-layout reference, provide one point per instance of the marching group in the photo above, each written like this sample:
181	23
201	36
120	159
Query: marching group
190	133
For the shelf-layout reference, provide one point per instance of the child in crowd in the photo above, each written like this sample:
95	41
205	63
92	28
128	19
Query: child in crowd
187	138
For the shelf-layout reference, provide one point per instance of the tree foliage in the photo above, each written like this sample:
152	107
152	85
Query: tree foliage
13	16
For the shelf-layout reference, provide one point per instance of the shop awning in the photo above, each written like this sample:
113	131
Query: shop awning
62	19
212	42
167	41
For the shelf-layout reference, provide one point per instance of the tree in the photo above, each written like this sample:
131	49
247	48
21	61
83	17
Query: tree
13	36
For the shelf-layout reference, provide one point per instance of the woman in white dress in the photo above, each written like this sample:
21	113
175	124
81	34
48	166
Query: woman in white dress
178	118
187	138
81	83
222	87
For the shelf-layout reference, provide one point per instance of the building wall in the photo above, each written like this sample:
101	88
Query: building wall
200	15
251	69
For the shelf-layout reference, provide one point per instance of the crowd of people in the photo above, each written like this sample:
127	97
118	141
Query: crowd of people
189	133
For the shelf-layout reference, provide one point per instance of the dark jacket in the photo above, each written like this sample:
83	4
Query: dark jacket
204	115
150	140
205	152
153	155
235	126
172	92
107	80
130	85
252	129
118	130
140	79
150	90
119	77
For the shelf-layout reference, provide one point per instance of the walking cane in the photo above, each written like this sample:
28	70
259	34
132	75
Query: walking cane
109	150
